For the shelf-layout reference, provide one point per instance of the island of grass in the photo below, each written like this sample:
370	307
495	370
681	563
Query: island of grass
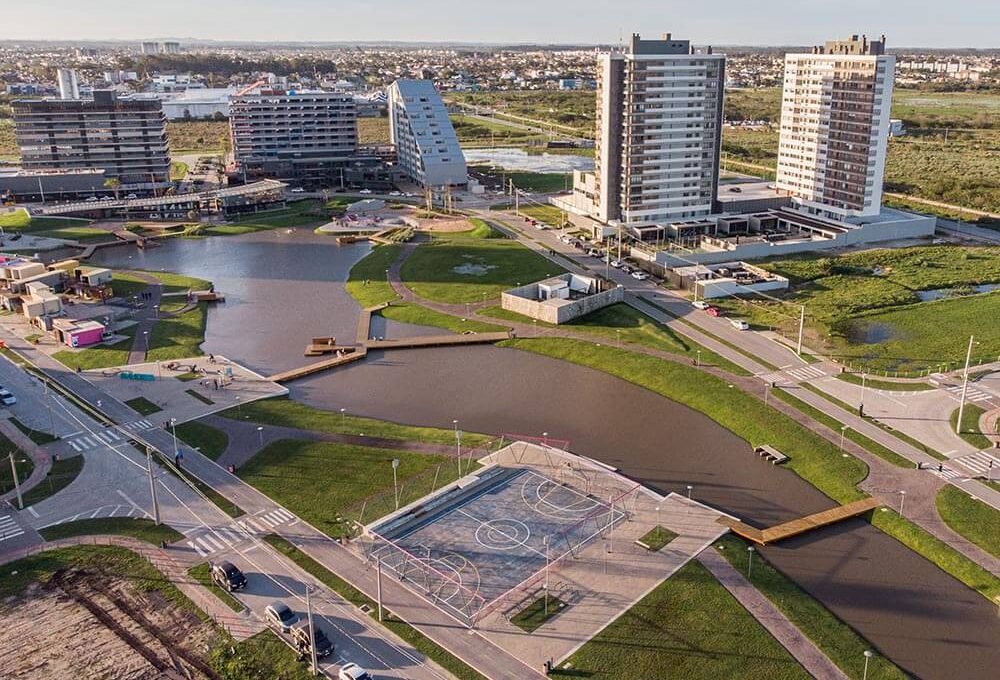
69	228
410	312
308	213
887	385
322	482
180	336
538	612
970	517
61	474
210	441
129	284
37	436
969	429
690	625
657	538
140	528
143	406
368	280
547	214
883	310
472	270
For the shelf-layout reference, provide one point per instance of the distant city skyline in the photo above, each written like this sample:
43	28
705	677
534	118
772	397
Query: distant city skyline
957	24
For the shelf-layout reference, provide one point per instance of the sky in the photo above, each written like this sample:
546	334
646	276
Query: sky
907	23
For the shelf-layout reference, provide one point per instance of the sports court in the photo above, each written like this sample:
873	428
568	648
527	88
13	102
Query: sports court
469	547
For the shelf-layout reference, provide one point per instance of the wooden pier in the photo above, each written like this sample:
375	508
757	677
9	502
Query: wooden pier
356	354
439	341
801	525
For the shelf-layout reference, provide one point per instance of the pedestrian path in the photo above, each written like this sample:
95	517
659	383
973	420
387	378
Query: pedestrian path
206	541
974	394
103	512
981	463
9	528
946	473
106	437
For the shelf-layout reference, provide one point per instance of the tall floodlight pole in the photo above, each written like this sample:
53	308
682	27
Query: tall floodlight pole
152	485
965	387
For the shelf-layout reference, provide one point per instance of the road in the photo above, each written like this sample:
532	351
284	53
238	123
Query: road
374	647
762	354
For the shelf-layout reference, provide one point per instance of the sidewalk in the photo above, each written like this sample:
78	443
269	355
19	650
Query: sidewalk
816	663
42	460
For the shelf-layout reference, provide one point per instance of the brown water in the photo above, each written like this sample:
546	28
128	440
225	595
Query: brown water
284	291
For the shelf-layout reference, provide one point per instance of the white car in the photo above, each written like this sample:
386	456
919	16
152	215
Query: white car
352	671
700	304
617	264
279	615
740	324
131	197
640	276
6	398
92	199
365	191
298	190
106	198
395	193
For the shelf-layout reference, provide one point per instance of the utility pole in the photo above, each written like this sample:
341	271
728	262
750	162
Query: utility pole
802	324
17	484
517	199
378	584
312	632
152	484
965	387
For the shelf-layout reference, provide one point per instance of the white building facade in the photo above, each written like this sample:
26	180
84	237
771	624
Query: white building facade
427	149
69	85
659	132
835	127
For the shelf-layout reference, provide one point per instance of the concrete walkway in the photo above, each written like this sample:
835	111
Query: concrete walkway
140	341
174	565
791	638
41	460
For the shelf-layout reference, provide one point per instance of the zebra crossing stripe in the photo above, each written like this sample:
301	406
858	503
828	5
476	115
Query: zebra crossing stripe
274	517
284	513
9	528
76	447
206	546
114	435
229	536
217	542
197	548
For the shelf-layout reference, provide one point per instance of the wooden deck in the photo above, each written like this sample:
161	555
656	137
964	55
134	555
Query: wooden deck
801	525
439	341
309	369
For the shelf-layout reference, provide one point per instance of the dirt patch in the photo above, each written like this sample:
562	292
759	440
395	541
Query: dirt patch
84	625
444	224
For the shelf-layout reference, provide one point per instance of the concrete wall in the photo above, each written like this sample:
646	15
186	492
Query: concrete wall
917	226
521	300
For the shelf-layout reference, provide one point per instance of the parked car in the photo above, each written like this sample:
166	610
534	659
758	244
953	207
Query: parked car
617	264
279	615
628	269
298	190
640	275
106	198
365	191
740	325
352	671
228	577
6	398
131	197
300	636
700	304
92	199
713	311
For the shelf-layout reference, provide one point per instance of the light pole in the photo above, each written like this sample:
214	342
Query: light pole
312	632
173	428
965	387
902	499
767	392
802	324
861	406
152	485
868	655
697	361
395	485
657	515
145	339
545	438
343	416
689	487
260	434
458	446
17	484
843	431
749	560
545	587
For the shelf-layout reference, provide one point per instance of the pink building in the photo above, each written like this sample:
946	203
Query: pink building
83	333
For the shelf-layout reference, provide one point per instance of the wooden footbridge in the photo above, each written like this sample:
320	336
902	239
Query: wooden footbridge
801	525
346	354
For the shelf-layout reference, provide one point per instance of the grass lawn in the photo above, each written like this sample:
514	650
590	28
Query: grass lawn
688	627
836	639
21	221
202	573
368	283
178	171
284	412
264	656
178	337
143	529
99	356
548	214
299	214
143	406
211	441
197	135
970	517
534	616
473	132
424	645
373	130
320	480
199	396
657	538
969	430
471	270
542	182
409	312
812	457
37	436
61	474
944	556
888	385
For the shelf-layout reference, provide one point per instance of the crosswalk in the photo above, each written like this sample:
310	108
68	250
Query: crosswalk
110	510
206	541
946	473
800	374
107	437
980	463
974	394
9	528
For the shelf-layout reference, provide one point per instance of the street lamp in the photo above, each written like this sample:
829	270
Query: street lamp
343	411
902	499
749	560
173	428
17	483
843	431
689	487
868	655
145	337
698	359
965	386
260	434
545	438
395	485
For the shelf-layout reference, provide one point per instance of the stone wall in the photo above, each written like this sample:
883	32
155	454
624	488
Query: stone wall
522	300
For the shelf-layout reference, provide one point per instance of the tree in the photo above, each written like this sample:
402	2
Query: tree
113	184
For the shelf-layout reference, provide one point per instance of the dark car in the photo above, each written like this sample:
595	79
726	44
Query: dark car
300	634
228	577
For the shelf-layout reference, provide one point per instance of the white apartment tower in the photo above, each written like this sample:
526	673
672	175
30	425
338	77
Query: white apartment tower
835	127
659	132
427	149
69	86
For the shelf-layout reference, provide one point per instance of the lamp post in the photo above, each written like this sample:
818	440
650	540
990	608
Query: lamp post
260	434
843	431
697	361
965	386
17	484
395	485
689	487
458	446
312	633
868	655
173	429
343	416
902	500
749	560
